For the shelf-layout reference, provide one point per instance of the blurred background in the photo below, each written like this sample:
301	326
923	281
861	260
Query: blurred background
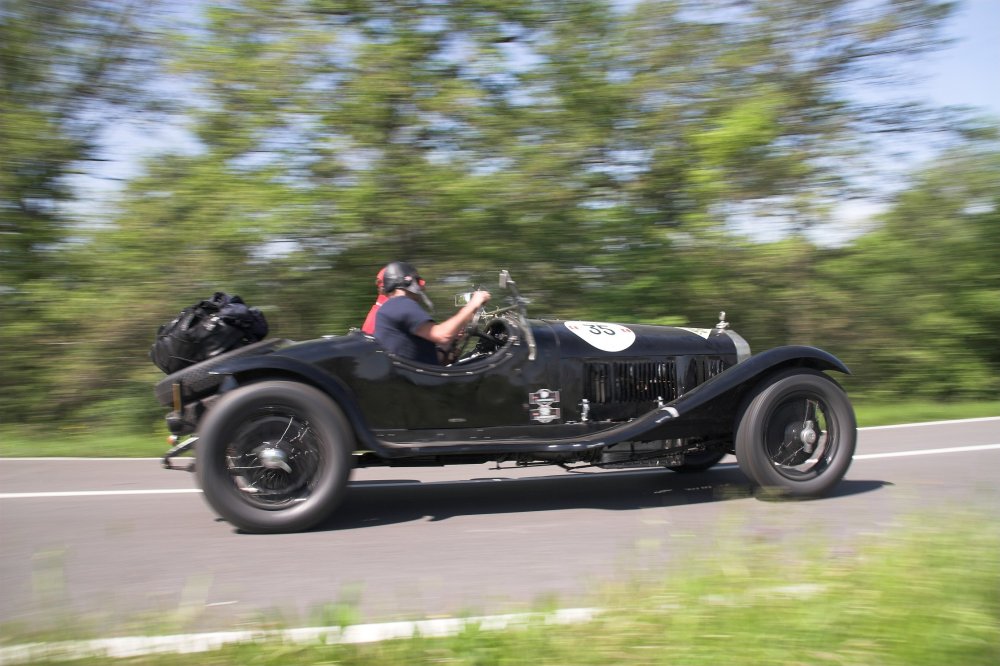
658	162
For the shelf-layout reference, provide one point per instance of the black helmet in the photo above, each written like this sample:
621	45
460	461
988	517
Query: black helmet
401	275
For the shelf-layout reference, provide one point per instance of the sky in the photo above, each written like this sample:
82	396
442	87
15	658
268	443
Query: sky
968	71
964	73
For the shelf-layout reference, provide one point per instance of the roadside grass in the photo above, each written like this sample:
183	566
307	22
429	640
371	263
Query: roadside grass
925	593
878	414
77	441
25	442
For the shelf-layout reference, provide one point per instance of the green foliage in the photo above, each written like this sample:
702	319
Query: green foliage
63	67
923	286
601	152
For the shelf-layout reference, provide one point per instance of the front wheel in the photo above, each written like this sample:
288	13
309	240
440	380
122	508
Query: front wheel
274	457
797	434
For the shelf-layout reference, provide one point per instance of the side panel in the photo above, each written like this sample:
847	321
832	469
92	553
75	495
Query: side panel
397	396
447	403
403	402
430	399
361	378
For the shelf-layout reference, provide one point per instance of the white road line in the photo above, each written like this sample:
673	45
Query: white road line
100	493
931	423
76	459
926	452
391	484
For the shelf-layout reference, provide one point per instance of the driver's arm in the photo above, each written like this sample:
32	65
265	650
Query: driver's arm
442	334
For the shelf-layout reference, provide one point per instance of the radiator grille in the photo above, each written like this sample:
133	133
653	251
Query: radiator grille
630	382
642	382
713	367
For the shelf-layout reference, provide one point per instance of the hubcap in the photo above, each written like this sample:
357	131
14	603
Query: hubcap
274	459
798	438
808	437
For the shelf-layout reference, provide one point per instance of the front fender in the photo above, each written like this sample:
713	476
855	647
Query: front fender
253	368
798	356
744	376
711	407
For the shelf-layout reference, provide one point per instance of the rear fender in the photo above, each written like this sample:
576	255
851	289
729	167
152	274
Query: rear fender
255	368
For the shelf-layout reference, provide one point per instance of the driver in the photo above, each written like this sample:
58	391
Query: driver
405	328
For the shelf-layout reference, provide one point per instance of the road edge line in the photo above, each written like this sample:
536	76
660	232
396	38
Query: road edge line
139	646
921	424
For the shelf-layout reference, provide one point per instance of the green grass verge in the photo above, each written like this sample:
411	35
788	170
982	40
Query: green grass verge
78	441
917	412
925	594
39	442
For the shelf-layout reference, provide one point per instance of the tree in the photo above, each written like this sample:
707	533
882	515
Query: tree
623	128
66	69
601	151
925	286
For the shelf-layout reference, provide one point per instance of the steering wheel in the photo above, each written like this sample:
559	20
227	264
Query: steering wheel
461	341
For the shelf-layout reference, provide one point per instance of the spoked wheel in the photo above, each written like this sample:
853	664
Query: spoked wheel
274	457
797	435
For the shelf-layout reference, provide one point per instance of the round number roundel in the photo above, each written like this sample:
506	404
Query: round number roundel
606	337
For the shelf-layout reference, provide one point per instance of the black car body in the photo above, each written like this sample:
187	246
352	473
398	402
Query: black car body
278	426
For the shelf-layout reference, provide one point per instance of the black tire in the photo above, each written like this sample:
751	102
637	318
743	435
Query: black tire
698	462
797	434
196	381
274	456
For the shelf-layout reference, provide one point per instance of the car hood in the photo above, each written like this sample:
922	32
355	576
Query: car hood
589	339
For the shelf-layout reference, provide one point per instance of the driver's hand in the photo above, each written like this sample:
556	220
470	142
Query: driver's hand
479	298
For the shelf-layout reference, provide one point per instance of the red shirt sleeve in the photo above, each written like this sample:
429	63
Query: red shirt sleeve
369	325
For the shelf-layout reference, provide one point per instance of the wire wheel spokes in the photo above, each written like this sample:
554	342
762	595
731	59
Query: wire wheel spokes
273	459
798	437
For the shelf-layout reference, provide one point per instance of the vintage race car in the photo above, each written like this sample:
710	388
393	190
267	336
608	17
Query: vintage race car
277	427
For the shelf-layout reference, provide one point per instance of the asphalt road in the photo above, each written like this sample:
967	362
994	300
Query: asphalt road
113	542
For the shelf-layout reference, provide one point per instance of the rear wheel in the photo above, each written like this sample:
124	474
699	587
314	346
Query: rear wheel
797	434
274	457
